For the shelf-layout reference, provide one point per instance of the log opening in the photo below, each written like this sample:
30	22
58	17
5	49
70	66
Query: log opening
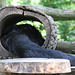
12	14
13	19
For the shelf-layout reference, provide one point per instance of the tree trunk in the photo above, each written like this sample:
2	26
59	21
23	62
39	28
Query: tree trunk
65	46
57	14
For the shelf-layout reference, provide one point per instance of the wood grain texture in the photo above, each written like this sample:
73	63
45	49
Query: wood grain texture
35	65
57	14
13	14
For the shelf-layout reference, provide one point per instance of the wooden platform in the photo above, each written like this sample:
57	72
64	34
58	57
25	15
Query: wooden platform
35	66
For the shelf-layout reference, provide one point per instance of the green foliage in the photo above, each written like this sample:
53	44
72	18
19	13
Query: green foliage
39	26
27	2
23	2
9	2
66	29
56	3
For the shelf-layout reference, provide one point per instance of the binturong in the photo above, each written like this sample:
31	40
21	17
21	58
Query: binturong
25	41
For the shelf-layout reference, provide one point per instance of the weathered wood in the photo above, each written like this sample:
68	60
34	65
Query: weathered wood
66	46
13	14
35	65
57	14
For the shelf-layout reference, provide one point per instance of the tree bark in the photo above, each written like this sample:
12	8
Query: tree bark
57	14
65	46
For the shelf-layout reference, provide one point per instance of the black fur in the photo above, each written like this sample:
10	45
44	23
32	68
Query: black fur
25	41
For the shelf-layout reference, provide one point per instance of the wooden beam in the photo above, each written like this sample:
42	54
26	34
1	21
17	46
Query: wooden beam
57	14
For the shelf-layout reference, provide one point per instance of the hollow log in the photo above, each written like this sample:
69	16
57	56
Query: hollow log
12	14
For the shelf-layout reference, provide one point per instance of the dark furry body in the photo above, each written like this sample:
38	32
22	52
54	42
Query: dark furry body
25	41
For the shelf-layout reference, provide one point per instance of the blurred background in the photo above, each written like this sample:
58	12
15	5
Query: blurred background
66	29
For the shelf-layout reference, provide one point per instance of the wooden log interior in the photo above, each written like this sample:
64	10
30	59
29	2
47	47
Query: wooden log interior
35	66
13	14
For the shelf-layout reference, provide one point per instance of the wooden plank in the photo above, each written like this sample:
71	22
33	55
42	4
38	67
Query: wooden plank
35	65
